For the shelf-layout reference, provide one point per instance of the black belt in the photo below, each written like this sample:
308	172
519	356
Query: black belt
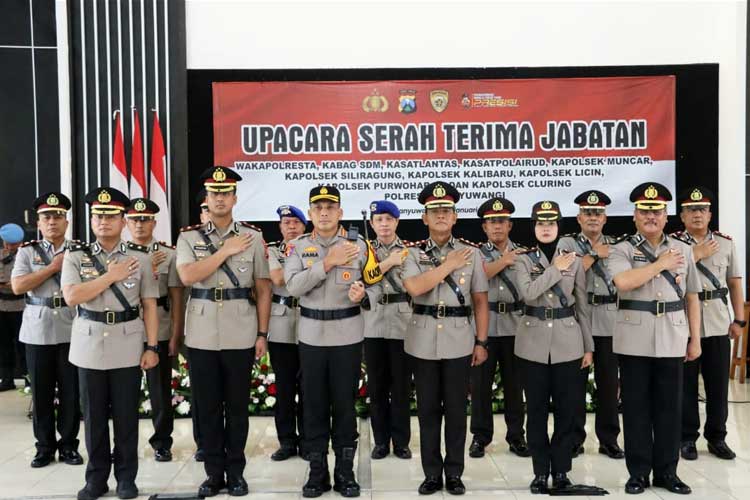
713	294
506	307
329	314
51	302
163	302
109	317
392	298
655	307
597	300
290	302
441	311
221	294
548	313
10	296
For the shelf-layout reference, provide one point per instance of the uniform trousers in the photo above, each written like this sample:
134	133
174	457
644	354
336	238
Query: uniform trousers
287	413
221	380
111	392
559	382
389	387
50	370
159	379
499	352
712	365
606	376
652	413
330	377
442	388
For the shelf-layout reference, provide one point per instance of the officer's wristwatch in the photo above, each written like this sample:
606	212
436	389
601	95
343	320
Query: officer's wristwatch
263	334
483	343
741	322
153	348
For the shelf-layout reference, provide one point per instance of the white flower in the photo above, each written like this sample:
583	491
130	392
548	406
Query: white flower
271	378
177	399
261	389
183	408
270	401
494	386
146	406
588	397
175	373
261	377
255	400
185	382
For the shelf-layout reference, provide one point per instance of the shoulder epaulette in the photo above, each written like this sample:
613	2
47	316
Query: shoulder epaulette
78	246
29	243
410	244
524	250
725	236
190	228
680	236
136	246
470	243
618	239
274	243
521	248
251	226
165	244
570	235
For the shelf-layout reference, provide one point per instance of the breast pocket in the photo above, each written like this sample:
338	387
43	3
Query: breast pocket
242	266
629	317
347	275
719	264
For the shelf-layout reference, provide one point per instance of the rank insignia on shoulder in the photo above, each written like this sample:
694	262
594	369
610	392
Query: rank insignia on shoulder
191	228
470	243
725	236
137	247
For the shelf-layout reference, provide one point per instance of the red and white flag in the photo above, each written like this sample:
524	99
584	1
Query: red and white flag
118	170
137	169
163	230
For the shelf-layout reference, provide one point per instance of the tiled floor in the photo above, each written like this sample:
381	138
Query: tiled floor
499	475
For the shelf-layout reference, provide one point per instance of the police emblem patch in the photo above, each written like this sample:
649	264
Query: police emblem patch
407	101
439	100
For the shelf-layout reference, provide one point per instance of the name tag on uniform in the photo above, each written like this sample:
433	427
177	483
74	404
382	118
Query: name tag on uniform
310	252
640	258
200	247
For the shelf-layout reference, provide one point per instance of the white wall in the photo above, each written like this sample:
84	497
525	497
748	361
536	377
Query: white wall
252	34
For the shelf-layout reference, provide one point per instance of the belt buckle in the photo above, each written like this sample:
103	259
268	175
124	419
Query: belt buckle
708	294
549	313
661	308
294	303
502	308
218	294
56	302
594	300
384	299
109	317
440	313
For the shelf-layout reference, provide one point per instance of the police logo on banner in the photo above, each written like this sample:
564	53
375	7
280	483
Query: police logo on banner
375	103
439	100
407	101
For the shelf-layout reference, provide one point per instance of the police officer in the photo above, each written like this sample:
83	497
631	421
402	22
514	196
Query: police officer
447	334
506	307
141	220
326	269
45	331
388	371
282	341
602	296
554	343
12	356
111	284
657	282
224	261
719	272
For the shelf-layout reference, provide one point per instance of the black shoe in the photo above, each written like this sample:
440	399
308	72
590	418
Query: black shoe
454	485
319	480
237	486
211	487
539	486
200	455
90	492
721	450
7	385
560	480
402	452
578	450
380	451
304	454
343	475
688	450
284	453
672	483
42	459
127	490
636	485
430	485
612	451
70	457
163	455
520	448
476	449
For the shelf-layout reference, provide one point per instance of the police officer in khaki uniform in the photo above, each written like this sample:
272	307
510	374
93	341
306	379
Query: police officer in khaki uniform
554	343
388	370
447	334
12	352
719	272
326	269
282	341
602	297
225	263
141	219
111	284
45	331
506	308
657	330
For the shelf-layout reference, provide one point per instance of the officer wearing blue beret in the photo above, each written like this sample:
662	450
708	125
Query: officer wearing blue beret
12	355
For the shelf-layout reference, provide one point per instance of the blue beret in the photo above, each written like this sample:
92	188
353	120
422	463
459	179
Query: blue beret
11	233
384	207
291	211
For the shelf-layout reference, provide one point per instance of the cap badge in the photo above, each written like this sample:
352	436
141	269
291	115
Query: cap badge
104	197
140	206
546	205
651	192
438	191
593	199
696	195
497	206
219	175
324	190
52	200
373	207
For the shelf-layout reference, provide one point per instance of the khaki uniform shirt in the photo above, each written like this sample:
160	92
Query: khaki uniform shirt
640	333
724	264
502	324
558	340
99	346
307	279
8	304
603	316
388	321
229	324
450	337
168	278
283	325
43	325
